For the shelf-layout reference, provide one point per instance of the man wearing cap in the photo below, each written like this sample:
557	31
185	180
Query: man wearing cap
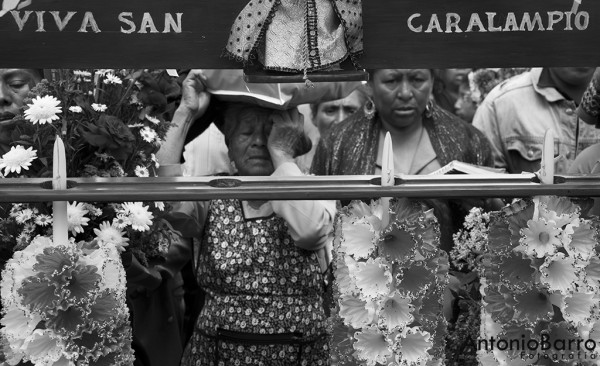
516	114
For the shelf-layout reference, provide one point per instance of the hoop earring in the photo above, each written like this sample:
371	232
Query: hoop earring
429	109
369	109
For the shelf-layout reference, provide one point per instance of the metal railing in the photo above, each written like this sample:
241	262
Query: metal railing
309	187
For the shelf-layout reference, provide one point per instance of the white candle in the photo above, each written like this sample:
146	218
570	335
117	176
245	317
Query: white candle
60	224
387	176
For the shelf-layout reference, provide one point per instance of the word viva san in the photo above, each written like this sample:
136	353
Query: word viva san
497	22
85	22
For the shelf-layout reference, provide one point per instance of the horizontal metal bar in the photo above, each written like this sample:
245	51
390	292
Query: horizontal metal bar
310	187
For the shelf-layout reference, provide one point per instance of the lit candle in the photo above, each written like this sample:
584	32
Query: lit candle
60	224
387	176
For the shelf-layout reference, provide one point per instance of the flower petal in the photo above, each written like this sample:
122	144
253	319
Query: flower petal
559	273
372	346
373	278
395	312
357	238
412	346
356	312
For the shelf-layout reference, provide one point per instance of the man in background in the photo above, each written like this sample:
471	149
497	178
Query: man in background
516	114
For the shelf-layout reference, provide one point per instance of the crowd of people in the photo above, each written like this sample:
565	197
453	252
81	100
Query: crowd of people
262	267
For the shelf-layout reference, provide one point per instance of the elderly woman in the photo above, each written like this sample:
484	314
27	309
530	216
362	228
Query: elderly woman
257	261
425	137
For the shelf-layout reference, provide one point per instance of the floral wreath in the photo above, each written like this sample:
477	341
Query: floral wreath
389	282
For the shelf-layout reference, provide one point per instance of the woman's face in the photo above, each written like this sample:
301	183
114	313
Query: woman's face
401	95
248	140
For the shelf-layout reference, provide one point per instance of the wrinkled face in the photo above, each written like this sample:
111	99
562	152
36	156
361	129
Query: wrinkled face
401	95
575	76
330	113
248	139
14	86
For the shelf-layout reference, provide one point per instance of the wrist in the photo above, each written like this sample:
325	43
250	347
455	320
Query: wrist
280	158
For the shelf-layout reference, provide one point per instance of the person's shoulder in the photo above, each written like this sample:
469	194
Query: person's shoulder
586	160
511	88
455	125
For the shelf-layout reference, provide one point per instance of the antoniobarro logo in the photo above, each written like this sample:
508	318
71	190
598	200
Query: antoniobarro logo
546	348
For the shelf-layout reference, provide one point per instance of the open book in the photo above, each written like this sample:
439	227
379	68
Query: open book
458	167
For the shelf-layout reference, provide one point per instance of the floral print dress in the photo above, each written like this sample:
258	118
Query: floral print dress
263	295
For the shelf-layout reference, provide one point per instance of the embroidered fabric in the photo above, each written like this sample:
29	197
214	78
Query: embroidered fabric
297	35
257	282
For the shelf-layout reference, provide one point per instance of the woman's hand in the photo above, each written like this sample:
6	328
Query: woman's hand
286	134
195	99
194	102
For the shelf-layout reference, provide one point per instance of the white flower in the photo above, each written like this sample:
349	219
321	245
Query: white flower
138	214
43	220
372	346
141	171
112	79
43	110
121	221
17	158
110	234
159	205
540	238
76	217
148	134
152	119
99	107
76	109
23	216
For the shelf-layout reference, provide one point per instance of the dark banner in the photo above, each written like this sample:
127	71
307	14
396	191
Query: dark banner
398	33
481	33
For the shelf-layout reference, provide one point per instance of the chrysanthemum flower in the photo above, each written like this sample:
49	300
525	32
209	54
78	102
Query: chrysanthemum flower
357	239
141	171
395	312
140	217
17	158
152	119
99	107
148	134
21	217
559	273
76	217
112	79
412	345
578	306
373	278
43	220
356	312
43	110
540	238
111	234
121	221
372	346
76	109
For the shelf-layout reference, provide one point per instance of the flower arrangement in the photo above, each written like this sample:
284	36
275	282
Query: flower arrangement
540	283
389	282
64	304
112	123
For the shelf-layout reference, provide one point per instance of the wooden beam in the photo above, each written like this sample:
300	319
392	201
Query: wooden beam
398	33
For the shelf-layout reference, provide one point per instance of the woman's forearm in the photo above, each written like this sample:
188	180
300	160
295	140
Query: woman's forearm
172	148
